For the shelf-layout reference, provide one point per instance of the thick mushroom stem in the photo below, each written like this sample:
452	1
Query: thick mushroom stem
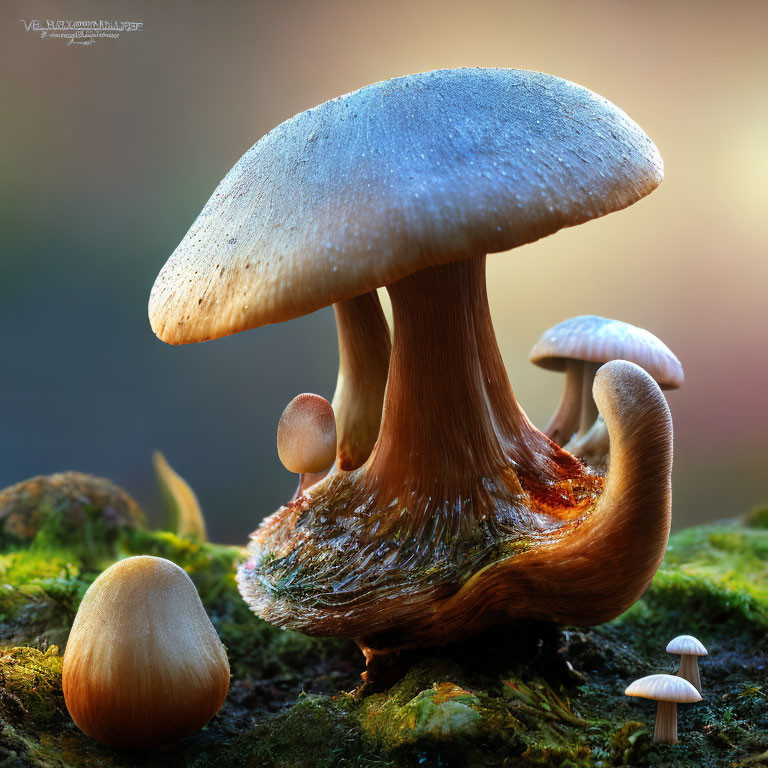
565	419
689	669
450	424
588	408
666	723
364	348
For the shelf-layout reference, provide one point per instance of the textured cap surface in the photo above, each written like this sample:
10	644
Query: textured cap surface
664	688
599	340
397	176
686	645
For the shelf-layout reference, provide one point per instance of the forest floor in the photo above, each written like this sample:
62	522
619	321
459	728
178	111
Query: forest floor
522	695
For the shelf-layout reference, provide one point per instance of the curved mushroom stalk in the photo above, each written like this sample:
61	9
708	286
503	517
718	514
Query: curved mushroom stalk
364	349
593	447
599	567
185	515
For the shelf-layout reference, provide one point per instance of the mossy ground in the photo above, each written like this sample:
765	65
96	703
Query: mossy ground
526	695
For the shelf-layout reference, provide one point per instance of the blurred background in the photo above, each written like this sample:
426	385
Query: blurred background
109	151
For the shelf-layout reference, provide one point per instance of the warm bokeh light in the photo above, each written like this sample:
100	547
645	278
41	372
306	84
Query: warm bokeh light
108	152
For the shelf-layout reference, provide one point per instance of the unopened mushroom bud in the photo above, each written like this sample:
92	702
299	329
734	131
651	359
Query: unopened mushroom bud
689	649
143	665
669	691
306	438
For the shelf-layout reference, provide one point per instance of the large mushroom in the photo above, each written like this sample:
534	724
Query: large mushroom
578	346
464	515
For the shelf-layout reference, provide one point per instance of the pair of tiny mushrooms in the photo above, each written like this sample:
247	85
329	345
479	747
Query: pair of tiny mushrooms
430	507
671	690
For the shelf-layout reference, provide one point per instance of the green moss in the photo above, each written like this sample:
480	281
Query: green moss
85	515
443	712
506	698
758	517
33	678
712	576
39	594
317	732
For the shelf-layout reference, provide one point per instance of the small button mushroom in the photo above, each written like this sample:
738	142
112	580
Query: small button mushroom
689	649
306	438
669	691
143	665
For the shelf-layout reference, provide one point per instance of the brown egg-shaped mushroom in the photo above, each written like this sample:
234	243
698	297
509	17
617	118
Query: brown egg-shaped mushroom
143	665
409	184
306	438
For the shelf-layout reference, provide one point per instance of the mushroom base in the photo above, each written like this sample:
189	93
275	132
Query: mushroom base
334	563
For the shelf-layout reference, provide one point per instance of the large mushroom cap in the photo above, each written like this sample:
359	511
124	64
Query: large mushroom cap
664	688
398	176
596	339
686	645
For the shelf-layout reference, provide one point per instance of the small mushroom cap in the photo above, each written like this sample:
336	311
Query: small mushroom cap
686	645
306	434
664	688
596	339
401	175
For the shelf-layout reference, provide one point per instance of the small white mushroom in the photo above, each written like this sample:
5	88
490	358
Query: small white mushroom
669	691
579	346
689	649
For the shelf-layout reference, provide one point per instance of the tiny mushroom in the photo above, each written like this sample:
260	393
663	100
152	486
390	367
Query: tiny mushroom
306	438
579	346
669	691
689	649
456	513
143	665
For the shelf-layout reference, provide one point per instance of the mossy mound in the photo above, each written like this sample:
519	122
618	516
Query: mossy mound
82	513
524	695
